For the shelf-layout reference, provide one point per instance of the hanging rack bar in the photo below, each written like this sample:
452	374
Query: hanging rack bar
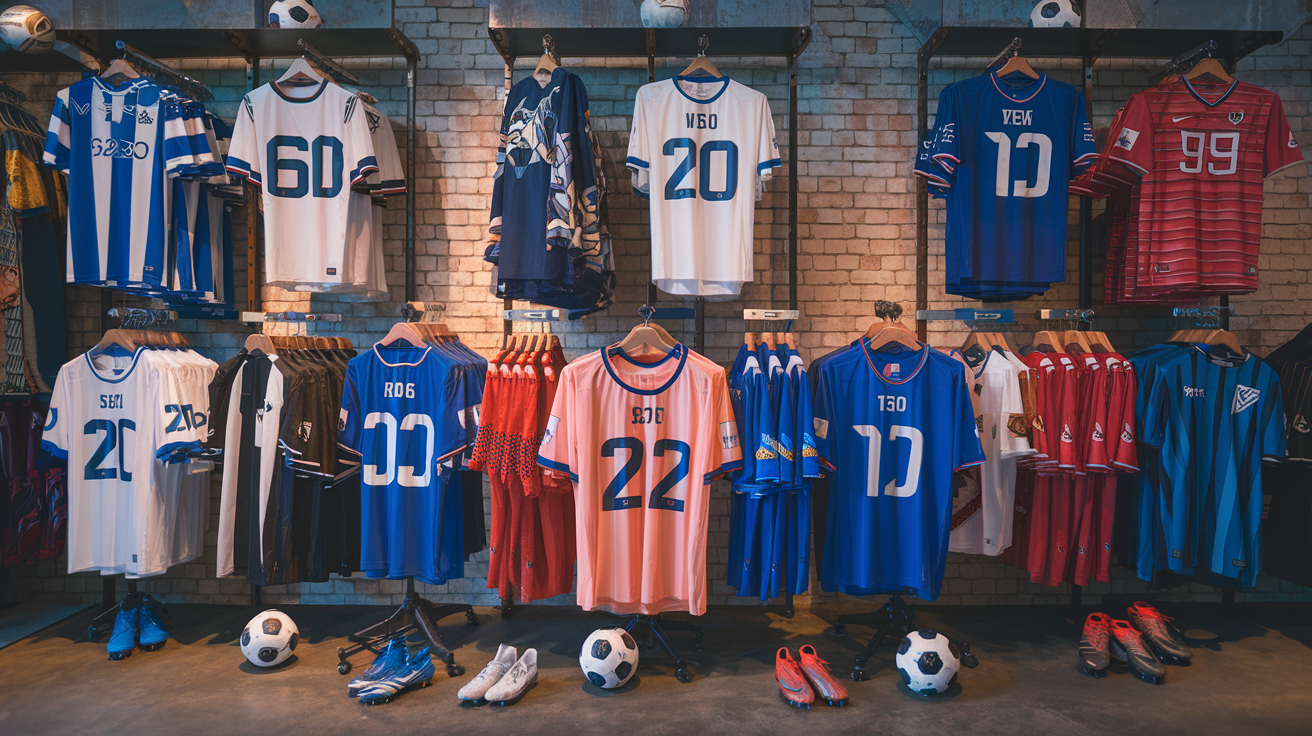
531	315
1184	62
995	316
772	315
1079	315
334	70
290	317
1012	49
159	69
132	318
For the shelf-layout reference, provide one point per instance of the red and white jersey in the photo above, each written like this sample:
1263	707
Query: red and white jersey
1203	150
642	442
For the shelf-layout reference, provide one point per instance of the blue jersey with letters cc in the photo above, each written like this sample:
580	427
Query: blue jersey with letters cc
891	428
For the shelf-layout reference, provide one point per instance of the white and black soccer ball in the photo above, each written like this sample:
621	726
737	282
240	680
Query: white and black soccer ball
928	661
269	639
27	29
1055	14
294	14
664	13
609	657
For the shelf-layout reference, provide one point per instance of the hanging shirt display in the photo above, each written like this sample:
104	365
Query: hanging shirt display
701	151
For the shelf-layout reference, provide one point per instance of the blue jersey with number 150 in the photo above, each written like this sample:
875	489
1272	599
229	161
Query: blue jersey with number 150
891	428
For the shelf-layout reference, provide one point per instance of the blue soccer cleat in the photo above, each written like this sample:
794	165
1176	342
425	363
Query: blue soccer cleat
392	658
124	638
152	633
417	672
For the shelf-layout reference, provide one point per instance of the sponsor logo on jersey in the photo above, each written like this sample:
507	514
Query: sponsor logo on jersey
729	435
1127	138
1097	432
260	412
1066	435
1127	435
1018	425
821	428
1178	118
1177	554
763	453
144	118
1300	424
781	446
1236	117
1017	117
1191	392
1291	142
1038	423
81	109
373	118
1245	396
1239	564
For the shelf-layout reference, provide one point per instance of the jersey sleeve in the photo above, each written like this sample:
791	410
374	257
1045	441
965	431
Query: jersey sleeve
1154	413
350	422
809	464
303	427
59	134
967	450
1015	434
455	437
1084	147
947	143
391	173
244	149
767	151
359	145
1134	144
639	150
55	436
495	218
784	421
1281	150
175	426
822	409
1275	435
558	452
180	149
726	449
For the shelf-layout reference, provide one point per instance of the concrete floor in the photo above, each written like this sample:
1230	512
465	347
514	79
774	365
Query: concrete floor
53	682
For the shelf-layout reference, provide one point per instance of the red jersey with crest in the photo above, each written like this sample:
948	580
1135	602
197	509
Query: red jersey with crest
1203	150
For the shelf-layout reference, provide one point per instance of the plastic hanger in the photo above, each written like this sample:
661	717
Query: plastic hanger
701	64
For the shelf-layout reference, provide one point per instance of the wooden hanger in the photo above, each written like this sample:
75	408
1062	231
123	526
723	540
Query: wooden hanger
1100	341
122	338
1017	64
976	340
1049	338
1209	67
1075	337
645	338
701	64
896	332
406	333
300	74
1224	337
261	342
119	71
790	341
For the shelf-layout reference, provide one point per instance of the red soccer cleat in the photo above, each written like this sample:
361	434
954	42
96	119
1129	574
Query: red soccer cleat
1095	654
817	671
792	683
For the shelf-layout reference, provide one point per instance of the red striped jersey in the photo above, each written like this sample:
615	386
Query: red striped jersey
1203	150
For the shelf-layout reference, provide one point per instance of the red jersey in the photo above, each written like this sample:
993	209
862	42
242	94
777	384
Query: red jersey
1203	150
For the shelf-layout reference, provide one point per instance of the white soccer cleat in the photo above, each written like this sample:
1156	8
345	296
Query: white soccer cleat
491	674
516	681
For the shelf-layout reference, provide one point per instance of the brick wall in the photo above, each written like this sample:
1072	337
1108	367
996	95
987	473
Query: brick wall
856	231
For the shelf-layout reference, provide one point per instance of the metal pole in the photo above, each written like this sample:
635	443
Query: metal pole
411	289
651	77
922	193
252	203
792	182
1086	210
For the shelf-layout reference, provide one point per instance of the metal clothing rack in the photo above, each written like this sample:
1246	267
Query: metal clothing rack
1088	45
131	318
601	43
160	70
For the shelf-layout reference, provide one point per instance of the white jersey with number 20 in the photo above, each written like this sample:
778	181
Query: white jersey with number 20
701	150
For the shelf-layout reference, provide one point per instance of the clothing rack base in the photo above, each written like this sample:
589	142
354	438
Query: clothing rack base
415	614
657	627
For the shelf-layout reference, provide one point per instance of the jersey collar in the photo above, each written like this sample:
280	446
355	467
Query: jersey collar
865	350
381	359
278	89
1189	85
1036	86
678	369
702	80
136	356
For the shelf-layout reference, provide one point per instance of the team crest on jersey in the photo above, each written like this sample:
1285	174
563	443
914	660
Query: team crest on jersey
144	118
1300	424
1126	434
1291	142
767	449
1236	117
729	435
1097	432
1038	423
1245	396
892	369
821	428
550	434
304	431
979	424
1066	435
373	118
1017	424
260	412
1127	138
82	109
781	447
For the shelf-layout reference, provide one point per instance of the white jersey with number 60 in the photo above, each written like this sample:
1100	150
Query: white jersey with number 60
701	150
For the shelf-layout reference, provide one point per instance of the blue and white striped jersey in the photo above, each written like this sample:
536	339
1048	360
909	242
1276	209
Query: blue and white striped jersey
119	145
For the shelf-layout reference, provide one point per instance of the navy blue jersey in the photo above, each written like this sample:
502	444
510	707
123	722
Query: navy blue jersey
1008	148
1213	420
404	413
891	428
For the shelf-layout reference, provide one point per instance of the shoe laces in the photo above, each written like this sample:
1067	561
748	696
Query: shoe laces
1148	612
1129	638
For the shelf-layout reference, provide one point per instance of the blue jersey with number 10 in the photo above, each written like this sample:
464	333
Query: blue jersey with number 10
403	414
891	428
1008	149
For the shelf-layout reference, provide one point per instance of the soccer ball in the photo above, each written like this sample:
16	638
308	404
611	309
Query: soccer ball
609	657
928	662
269	638
27	29
664	13
1055	14
294	14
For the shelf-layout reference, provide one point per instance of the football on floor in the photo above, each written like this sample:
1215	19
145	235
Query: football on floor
609	657
269	639
928	662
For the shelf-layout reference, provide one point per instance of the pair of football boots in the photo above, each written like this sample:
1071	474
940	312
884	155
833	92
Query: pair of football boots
504	680
804	679
142	626
1145	641
395	671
